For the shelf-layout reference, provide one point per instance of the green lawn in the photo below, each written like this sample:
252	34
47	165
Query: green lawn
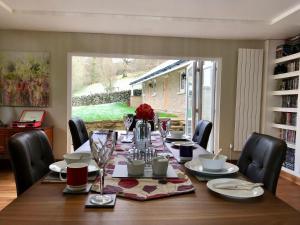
112	111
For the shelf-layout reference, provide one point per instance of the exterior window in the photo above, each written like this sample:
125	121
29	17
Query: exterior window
152	85
182	82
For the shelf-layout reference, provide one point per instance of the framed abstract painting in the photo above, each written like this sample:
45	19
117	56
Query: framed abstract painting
24	78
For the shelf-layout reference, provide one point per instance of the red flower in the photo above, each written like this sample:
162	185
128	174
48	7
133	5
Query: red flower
144	112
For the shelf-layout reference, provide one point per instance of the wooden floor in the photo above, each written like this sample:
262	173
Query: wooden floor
287	191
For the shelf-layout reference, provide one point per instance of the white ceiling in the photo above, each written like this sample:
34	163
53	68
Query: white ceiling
228	19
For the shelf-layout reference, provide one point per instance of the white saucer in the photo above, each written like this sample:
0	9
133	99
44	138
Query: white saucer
196	166
60	166
186	143
76	188
236	194
183	137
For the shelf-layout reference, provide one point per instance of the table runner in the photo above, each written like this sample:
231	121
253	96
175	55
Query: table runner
143	189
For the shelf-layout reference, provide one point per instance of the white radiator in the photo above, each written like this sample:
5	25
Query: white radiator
248	95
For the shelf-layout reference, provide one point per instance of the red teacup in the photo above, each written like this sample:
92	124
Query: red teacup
77	176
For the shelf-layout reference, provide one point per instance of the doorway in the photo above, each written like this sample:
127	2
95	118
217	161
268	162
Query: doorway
201	96
196	81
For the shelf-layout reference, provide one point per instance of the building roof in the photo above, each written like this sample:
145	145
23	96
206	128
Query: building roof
166	67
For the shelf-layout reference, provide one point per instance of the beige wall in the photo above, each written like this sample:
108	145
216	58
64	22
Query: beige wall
60	44
167	97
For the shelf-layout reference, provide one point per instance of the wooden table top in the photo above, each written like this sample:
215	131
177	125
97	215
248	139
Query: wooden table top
45	204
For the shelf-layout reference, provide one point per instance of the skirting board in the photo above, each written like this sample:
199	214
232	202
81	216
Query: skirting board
290	177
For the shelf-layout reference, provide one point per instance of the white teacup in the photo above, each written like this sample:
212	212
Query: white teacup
77	158
209	163
176	134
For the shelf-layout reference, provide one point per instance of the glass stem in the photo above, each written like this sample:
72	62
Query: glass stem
101	180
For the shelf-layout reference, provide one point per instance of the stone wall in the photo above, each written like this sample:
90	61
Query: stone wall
122	96
119	125
105	124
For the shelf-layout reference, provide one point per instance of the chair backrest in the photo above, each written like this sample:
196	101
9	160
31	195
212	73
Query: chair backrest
30	154
261	159
202	133
78	132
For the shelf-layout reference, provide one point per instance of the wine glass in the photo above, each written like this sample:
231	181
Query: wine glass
101	151
156	121
127	119
164	126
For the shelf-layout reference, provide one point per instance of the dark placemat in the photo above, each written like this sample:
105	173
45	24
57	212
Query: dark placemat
85	191
112	204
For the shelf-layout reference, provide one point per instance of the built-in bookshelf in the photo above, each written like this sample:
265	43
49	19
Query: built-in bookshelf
284	118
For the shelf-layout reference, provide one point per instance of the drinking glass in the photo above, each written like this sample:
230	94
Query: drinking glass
101	151
164	126
127	119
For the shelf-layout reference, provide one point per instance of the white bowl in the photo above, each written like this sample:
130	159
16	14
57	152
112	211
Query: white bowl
214	165
77	158
176	134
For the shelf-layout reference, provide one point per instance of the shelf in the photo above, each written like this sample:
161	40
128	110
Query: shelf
287	58
285	92
283	126
281	109
286	75
291	145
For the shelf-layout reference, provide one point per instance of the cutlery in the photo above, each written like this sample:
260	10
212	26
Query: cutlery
231	186
218	153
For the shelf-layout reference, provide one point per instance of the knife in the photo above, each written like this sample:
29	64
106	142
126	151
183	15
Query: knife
231	186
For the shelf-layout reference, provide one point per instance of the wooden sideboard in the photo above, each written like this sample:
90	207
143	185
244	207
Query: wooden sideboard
7	132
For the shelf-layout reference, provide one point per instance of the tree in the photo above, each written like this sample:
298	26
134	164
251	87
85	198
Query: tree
125	67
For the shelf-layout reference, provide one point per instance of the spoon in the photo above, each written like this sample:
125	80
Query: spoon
216	155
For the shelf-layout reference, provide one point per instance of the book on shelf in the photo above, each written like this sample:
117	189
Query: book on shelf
288	135
289	84
287	67
289	101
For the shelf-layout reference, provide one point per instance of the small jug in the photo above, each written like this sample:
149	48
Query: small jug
160	166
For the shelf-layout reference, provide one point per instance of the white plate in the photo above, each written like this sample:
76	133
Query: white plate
196	166
184	138
237	194
178	143
59	165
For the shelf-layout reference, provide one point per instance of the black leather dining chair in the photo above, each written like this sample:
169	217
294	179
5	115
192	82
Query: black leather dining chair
78	132
261	159
30	154
202	132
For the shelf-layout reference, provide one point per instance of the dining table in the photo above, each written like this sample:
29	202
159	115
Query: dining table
45	204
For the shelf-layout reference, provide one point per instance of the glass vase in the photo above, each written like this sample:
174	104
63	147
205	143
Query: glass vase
142	135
